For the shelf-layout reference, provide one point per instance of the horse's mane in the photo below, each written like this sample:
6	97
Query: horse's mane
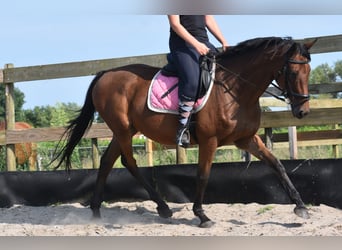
273	43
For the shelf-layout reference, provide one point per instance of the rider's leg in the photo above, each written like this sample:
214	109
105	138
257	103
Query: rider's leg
183	136
187	63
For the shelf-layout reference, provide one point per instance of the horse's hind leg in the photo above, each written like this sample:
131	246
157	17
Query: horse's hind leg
130	163
107	161
256	147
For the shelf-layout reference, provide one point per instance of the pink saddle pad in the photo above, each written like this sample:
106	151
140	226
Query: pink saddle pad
159	100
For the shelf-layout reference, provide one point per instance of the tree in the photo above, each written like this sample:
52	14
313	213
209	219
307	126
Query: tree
39	117
63	113
51	116
326	74
322	74
19	100
338	69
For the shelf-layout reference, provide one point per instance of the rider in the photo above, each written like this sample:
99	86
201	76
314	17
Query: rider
188	42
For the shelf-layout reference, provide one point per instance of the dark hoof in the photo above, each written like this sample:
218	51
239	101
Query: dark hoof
206	224
302	212
96	219
164	211
96	215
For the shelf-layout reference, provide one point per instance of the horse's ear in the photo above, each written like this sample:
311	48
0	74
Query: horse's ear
308	45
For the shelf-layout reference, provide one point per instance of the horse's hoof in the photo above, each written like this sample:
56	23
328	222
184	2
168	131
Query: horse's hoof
164	212
207	224
96	215
96	219
302	212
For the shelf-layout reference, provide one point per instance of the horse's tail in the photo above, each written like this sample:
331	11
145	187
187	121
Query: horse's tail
76	128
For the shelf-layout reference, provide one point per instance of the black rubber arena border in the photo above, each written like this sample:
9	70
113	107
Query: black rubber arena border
318	182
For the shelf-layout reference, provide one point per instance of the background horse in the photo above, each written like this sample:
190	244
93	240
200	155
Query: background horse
25	153
231	115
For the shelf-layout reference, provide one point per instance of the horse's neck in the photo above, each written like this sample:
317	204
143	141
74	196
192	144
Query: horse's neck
248	83
248	75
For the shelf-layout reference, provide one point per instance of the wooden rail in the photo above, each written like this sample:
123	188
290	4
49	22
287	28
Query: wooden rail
75	69
321	116
323	112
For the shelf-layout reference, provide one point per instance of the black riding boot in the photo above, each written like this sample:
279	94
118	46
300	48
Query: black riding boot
183	134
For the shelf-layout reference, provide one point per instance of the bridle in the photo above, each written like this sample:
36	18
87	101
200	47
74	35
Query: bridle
288	92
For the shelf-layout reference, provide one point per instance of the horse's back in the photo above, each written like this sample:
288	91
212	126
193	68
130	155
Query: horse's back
122	89
125	81
22	125
24	152
18	125
141	71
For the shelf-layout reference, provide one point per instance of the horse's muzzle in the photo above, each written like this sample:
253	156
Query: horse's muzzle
300	111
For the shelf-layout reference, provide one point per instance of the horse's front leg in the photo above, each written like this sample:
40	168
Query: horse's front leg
206	155
256	147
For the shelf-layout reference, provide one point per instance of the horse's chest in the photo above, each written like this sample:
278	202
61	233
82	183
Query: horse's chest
240	124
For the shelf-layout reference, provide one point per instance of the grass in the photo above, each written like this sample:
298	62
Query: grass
265	209
82	157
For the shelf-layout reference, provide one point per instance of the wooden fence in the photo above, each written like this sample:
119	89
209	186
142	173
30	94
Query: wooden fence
323	111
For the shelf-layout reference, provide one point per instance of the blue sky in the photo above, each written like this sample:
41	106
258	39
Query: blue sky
43	32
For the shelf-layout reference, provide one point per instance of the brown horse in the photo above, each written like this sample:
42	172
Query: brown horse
25	153
231	115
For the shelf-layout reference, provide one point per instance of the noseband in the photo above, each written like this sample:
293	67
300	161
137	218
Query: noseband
288	92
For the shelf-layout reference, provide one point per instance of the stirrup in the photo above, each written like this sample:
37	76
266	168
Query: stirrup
183	137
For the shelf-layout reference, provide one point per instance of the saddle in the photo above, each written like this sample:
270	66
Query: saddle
207	63
163	91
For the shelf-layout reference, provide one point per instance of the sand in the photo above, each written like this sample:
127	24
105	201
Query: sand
141	219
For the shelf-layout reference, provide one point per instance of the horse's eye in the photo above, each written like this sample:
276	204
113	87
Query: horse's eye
293	74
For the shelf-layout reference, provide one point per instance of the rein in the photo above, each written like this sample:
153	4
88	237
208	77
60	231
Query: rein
284	92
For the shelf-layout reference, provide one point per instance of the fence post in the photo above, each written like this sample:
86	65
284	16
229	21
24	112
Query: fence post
10	122
180	155
149	152
335	147
293	142
293	145
95	152
268	138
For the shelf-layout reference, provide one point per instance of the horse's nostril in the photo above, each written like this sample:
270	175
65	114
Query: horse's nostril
302	114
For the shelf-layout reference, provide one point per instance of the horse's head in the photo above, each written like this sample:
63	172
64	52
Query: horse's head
294	78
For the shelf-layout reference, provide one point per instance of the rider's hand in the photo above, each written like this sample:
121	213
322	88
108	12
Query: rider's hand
202	49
